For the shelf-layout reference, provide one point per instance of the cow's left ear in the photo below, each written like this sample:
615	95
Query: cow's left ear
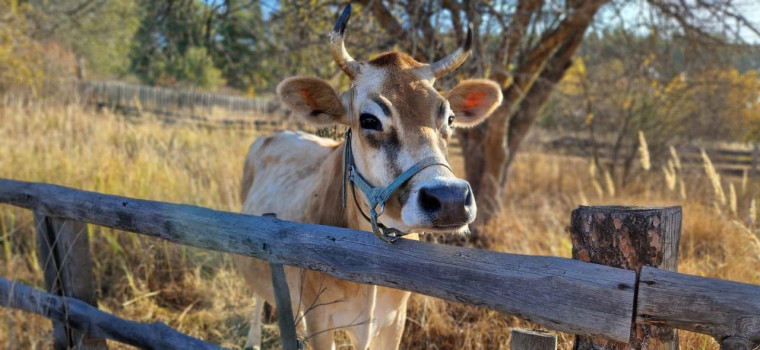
312	99
473	101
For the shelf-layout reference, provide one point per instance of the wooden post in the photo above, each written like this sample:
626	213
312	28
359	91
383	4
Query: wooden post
284	308
755	171
523	339
64	254
629	238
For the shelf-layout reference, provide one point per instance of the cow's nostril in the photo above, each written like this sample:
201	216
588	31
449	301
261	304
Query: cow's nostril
429	201
469	199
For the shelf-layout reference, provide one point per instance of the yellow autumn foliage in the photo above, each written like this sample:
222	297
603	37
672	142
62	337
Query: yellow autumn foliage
20	56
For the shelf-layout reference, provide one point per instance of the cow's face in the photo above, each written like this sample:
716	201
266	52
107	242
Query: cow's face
397	119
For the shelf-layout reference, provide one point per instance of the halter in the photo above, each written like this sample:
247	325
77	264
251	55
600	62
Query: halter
378	195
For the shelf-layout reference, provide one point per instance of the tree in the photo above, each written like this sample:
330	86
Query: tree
99	33
527	46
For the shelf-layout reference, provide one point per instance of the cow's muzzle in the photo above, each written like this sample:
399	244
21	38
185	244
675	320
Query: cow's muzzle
448	206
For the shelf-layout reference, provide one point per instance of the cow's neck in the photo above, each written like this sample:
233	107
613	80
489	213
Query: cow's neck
326	207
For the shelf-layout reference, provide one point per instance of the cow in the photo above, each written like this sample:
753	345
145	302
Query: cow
399	127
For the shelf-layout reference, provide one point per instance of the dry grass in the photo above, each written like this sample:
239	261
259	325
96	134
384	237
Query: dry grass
199	293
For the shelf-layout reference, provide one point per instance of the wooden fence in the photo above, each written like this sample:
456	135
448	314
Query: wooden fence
201	107
735	160
562	294
173	103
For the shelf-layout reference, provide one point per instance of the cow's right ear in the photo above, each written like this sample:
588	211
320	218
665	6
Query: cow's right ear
312	99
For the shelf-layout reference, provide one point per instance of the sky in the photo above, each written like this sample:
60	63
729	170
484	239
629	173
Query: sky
632	13
636	12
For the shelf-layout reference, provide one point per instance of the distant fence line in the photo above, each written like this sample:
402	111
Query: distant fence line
166	101
199	107
734	162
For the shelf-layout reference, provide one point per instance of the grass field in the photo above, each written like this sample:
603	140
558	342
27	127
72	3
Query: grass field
199	293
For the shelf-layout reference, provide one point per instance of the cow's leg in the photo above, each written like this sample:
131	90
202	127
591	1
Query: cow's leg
254	332
360	340
360	335
321	336
389	336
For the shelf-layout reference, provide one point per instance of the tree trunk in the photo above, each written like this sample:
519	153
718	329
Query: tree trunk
487	155
490	148
628	238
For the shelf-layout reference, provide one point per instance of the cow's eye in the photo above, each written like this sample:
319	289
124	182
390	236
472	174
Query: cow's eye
370	122
451	119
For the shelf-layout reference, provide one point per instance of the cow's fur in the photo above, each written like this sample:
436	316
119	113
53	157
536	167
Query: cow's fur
316	201
298	177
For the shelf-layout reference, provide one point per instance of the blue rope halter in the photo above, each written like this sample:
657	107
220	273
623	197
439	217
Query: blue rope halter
378	196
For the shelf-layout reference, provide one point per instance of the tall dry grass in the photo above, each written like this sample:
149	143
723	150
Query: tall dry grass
138	278
199	292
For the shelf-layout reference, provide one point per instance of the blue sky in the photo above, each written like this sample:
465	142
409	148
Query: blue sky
632	13
636	12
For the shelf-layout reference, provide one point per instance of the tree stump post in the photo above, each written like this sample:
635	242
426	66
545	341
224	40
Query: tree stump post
629	238
64	254
523	339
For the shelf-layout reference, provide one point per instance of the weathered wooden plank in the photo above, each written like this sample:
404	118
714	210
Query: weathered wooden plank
64	254
711	306
284	307
523	339
629	238
755	169
92	321
562	294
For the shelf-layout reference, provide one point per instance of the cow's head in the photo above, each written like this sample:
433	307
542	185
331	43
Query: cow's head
398	118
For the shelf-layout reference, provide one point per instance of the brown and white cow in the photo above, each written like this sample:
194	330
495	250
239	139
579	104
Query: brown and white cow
397	118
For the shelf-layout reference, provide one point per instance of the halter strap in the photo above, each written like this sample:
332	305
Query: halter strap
378	196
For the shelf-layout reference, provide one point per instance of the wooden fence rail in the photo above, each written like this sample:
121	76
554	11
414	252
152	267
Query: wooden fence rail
561	294
94	322
731	161
164	100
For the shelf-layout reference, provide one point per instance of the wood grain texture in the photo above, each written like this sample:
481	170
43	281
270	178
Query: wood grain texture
63	252
705	305
523	339
90	320
284	307
562	294
629	238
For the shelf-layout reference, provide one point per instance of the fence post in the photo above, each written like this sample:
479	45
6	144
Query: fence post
523	339
755	171
284	308
64	254
629	238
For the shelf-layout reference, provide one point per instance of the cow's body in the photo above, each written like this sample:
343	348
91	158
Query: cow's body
297	176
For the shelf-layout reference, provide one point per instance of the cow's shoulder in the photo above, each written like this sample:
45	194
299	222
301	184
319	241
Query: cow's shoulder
287	146
282	171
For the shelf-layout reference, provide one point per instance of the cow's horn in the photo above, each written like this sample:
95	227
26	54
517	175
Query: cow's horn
341	56
455	59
